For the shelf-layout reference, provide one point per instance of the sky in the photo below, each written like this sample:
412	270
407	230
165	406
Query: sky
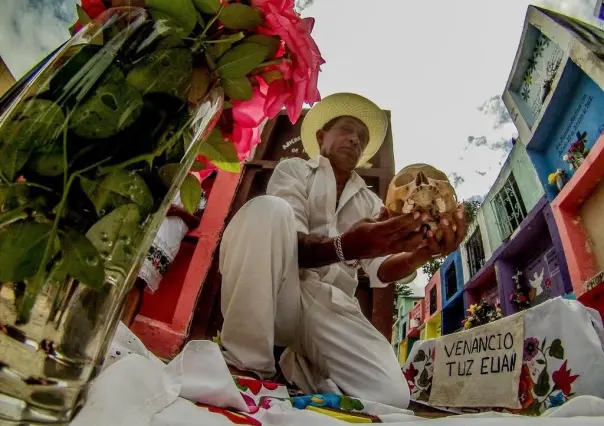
439	66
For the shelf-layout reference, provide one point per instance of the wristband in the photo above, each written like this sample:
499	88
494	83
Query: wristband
338	243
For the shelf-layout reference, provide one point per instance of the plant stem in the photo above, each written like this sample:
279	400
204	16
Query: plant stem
200	41
32	184
38	280
64	157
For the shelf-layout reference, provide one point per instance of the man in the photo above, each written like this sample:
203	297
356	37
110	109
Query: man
289	262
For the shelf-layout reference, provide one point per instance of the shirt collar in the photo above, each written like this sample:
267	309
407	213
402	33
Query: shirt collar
320	161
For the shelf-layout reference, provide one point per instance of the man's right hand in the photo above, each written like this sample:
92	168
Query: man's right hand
370	238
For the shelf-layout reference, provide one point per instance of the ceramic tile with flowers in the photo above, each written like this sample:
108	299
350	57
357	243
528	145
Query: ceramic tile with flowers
546	378
420	371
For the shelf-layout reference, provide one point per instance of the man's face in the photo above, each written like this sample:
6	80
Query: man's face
344	142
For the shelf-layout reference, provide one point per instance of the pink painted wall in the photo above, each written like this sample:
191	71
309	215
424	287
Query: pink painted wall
434	282
578	246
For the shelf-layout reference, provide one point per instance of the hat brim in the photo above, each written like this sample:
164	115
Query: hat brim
338	105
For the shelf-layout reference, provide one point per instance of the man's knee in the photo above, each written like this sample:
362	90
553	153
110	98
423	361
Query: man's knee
269	206
261	215
394	392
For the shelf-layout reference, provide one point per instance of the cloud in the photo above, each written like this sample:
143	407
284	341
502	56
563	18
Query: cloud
31	29
456	179
502	144
495	108
476	141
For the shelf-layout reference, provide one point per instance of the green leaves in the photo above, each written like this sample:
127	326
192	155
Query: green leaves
22	246
271	42
163	71
182	11
239	89
116	189
82	260
220	152
211	7
542	386
556	350
32	128
237	16
241	60
424	379
190	193
168	172
115	235
112	108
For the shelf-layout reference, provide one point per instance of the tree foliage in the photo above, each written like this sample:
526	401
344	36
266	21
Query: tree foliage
303	4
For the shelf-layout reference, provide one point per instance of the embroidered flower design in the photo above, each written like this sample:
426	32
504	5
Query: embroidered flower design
556	400
548	283
410	374
525	388
531	348
562	379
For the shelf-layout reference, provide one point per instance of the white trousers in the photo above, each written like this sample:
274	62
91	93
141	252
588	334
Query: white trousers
264	303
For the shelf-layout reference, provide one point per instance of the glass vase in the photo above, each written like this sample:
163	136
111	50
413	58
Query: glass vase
92	152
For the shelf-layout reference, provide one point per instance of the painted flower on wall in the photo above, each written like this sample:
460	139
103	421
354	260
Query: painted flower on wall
531	348
563	379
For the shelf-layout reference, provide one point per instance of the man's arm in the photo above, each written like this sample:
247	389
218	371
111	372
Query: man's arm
314	251
399	266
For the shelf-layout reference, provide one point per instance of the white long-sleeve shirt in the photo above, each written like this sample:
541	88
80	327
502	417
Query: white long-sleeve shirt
310	188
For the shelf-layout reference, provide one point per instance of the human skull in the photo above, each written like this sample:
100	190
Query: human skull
423	188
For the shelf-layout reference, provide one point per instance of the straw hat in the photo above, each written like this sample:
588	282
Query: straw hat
340	104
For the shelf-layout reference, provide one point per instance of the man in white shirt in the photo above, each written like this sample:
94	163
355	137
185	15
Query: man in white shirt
289	262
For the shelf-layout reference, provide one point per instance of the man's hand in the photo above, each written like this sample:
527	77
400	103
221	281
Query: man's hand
454	229
370	238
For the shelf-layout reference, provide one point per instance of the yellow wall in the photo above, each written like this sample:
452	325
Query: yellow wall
433	327
402	351
422	334
591	213
6	78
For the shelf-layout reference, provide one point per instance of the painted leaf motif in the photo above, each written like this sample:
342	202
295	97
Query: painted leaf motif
82	260
116	189
22	245
542	386
220	152
237	16
190	193
424	381
420	356
543	343
238	89
211	7
556	350
115	235
241	60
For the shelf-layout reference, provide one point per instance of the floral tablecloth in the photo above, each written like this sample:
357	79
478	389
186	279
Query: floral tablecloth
196	389
563	357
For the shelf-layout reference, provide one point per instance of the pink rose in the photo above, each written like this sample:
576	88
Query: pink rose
305	64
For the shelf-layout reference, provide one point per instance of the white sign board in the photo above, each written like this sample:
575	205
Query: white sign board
480	367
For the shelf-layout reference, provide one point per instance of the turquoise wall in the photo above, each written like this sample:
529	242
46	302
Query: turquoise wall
576	107
531	189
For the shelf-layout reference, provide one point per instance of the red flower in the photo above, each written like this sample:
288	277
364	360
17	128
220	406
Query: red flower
410	374
548	283
93	8
562	379
236	418
525	389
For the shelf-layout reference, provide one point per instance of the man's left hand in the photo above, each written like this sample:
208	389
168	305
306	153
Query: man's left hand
454	229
